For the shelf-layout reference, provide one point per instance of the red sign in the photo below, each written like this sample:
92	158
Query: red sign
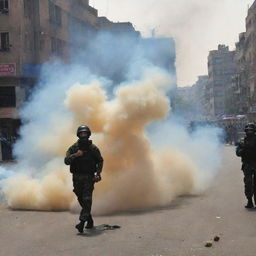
8	69
8	113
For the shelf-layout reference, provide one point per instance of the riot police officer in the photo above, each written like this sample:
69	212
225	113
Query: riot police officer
86	164
246	149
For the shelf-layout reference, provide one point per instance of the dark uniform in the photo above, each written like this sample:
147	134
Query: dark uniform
86	169
246	149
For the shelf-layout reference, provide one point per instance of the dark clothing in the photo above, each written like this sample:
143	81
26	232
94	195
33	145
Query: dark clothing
83	169
246	149
249	181
83	188
89	163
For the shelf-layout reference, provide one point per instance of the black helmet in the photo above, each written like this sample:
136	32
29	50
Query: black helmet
250	127
83	128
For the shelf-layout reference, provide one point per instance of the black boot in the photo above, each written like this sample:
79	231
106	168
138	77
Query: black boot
80	226
249	203
89	224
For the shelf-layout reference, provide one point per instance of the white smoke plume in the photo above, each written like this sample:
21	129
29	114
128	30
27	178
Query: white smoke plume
148	159
141	170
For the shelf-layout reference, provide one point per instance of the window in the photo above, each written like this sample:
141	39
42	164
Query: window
58	15
53	45
7	96
27	8
4	41
218	60
54	13
56	45
29	42
249	23
4	6
218	94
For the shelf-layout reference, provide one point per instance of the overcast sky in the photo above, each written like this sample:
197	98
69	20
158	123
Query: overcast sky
197	26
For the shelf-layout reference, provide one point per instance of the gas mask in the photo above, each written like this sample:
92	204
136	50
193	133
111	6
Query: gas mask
83	141
84	136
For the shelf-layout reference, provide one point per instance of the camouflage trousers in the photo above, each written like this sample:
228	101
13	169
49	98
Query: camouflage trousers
249	171
83	188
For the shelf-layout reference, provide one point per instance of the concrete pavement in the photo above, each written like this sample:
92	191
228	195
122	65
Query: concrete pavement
180	229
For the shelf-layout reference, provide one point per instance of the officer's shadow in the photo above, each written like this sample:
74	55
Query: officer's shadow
98	230
251	209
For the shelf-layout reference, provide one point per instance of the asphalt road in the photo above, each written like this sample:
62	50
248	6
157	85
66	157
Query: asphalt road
180	229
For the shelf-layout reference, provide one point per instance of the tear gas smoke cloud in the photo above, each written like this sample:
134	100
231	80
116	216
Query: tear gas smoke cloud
197	26
146	164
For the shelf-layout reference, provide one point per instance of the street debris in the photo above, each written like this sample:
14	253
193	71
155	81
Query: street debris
208	243
216	238
109	227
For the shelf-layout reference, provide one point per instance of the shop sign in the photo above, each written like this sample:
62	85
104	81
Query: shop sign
7	69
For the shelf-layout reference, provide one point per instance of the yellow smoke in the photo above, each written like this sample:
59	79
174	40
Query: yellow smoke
135	175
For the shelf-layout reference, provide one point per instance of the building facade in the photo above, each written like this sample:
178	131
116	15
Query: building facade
239	93
221	69
249	56
32	32
200	98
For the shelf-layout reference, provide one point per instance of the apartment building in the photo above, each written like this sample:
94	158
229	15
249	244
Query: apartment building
200	98
250	56
221	69
238	92
32	32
